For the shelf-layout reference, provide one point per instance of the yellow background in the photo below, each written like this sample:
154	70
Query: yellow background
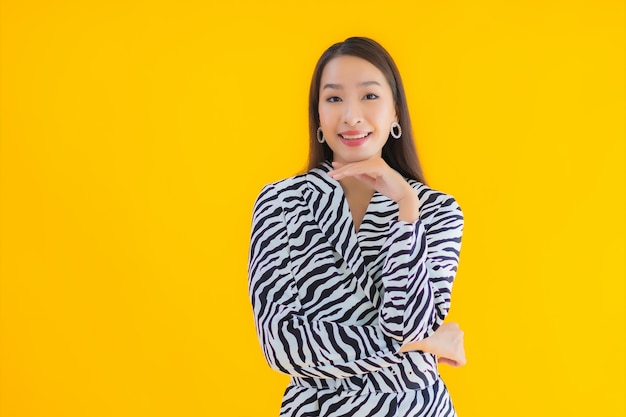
136	135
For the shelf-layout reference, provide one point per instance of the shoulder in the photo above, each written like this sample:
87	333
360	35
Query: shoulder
284	185
296	186
277	191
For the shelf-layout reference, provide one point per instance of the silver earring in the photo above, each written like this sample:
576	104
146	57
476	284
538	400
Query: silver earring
396	130
320	135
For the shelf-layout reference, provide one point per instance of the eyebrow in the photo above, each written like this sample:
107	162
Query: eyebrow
340	87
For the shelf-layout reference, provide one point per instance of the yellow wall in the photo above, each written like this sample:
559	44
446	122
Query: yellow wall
136	135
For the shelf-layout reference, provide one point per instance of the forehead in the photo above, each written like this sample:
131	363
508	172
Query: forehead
350	70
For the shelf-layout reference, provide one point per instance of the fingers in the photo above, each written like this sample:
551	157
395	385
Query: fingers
369	168
376	173
451	338
457	363
447	361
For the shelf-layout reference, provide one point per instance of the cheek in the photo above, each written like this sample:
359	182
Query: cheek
381	118
327	116
386	114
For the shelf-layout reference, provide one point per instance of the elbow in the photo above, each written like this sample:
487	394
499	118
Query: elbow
281	355
282	365
286	365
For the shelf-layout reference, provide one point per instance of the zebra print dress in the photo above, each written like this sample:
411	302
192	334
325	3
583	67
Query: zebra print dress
332	306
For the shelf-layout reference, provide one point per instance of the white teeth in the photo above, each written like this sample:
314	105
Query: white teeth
361	136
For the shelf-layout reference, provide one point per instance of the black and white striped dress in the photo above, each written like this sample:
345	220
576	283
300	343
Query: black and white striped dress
333	306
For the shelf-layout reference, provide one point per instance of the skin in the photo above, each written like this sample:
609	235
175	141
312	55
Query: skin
356	112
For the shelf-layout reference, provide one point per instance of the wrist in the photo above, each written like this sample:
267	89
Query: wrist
421	345
408	207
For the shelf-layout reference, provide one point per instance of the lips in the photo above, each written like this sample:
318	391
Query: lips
354	137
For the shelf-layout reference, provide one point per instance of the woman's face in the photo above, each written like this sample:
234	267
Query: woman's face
356	108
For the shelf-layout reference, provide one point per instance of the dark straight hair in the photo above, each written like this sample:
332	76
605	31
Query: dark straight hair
400	154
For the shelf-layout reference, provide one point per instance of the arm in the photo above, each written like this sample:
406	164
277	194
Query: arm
291	343
418	273
421	263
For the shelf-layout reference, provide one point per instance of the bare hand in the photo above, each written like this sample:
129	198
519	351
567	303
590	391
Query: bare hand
376	173
446	342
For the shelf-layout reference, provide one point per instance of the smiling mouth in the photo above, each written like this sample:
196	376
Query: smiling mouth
355	137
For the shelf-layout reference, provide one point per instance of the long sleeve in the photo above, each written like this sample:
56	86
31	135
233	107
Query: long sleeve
418	273
291	342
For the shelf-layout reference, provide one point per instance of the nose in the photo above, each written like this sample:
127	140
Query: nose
352	114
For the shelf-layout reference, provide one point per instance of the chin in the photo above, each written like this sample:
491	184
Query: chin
359	157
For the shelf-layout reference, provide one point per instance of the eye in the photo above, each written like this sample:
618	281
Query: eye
371	96
333	99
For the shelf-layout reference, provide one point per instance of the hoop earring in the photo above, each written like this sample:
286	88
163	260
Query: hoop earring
320	139
396	126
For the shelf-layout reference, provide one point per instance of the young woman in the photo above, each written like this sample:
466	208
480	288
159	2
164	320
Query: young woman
352	263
